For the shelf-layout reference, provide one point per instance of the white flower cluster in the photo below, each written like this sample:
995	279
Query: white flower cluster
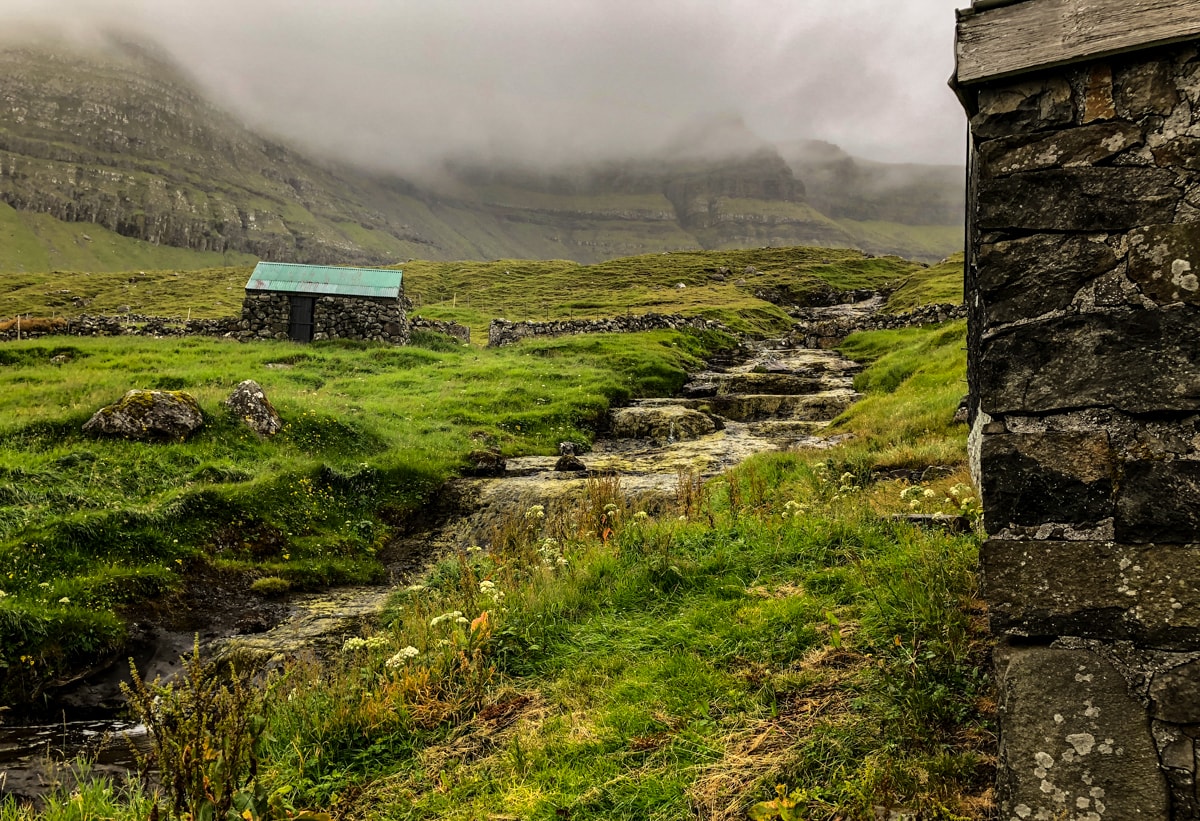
455	616
794	509
357	643
536	512
404	655
488	588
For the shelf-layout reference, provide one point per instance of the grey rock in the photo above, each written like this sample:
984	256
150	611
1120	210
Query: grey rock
1135	361
1079	199
487	462
668	422
250	406
1164	261
569	462
1029	479
1144	88
149	416
1071	148
1094	589
1159	501
1031	276
1023	108
1175	697
1074	744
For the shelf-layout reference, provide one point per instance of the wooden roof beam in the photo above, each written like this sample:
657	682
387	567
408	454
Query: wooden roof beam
998	41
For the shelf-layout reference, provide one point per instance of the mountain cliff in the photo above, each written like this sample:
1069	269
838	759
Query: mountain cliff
116	136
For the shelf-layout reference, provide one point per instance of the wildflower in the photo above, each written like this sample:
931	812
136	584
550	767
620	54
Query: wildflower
44	585
2	594
64	600
414	588
561	561
353	643
462	620
536	512
436	620
683	518
487	586
474	549
928	493
377	643
641	514
846	478
403	655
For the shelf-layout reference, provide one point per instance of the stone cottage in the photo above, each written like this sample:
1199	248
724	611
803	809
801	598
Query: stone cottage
1084	364
307	303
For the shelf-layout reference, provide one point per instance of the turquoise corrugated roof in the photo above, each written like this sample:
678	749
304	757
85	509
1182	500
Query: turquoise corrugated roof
325	279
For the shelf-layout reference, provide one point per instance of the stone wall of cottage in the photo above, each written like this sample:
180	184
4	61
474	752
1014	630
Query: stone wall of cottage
268	316
1085	379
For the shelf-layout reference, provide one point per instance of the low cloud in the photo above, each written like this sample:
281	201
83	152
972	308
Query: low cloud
406	84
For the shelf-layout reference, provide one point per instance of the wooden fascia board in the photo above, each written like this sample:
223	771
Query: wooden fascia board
1040	34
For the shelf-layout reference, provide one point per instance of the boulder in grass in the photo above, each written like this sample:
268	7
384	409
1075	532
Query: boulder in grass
489	462
249	404
149	416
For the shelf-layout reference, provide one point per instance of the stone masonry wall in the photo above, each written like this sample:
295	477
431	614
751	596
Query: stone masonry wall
502	332
1085	308
268	315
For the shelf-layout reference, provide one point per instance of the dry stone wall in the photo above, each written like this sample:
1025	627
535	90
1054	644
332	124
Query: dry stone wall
1085	378
502	332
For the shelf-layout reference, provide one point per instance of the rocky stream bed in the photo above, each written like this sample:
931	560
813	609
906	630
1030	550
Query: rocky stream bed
773	396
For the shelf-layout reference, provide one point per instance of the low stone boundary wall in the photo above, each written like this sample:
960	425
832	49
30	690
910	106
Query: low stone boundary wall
502	332
829	332
117	325
460	332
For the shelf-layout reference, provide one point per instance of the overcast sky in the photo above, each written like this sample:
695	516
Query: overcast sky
405	83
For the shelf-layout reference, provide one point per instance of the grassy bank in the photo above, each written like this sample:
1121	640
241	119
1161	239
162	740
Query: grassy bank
92	528
772	641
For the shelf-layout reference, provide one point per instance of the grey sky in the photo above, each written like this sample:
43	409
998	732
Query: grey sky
404	83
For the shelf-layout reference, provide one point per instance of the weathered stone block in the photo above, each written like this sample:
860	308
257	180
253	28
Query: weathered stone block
1164	260
1079	199
1181	152
1074	745
1144	88
1136	361
1023	108
1175	696
1101	590
1030	479
1028	277
1071	148
1159	502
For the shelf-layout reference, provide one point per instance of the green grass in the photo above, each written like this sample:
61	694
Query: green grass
774	628
38	243
474	293
940	283
370	433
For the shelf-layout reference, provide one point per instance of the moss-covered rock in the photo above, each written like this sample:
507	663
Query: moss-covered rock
149	416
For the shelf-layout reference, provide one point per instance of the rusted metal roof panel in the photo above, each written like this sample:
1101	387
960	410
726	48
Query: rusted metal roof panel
288	277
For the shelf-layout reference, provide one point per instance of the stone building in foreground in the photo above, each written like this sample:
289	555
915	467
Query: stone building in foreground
1084	364
305	303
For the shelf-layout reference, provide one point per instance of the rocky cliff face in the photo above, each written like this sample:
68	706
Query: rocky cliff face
119	137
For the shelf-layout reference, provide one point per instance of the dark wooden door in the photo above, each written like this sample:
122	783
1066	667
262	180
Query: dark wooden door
301	327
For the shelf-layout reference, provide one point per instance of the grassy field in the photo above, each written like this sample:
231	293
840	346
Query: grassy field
773	641
474	293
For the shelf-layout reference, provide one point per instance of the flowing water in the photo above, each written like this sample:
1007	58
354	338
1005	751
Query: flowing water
777	398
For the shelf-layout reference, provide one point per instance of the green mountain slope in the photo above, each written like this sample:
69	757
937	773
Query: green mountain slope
117	137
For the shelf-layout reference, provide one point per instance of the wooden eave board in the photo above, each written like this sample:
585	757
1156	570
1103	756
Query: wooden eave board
1037	34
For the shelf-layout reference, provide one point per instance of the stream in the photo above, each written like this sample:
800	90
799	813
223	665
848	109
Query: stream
777	398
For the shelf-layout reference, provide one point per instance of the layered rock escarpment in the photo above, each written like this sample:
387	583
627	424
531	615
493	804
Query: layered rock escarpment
1085	371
